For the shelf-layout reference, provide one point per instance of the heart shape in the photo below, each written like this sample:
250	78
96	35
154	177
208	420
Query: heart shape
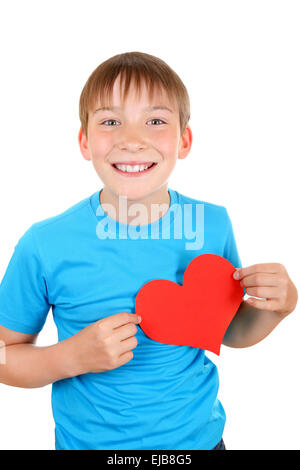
196	313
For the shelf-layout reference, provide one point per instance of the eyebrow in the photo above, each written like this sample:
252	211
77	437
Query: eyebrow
117	108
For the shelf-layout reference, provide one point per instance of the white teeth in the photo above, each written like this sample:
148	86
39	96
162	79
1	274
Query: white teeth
132	168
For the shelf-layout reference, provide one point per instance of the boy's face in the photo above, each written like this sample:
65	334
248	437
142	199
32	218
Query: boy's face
135	134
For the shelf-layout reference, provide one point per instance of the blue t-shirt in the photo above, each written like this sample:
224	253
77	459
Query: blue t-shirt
87	266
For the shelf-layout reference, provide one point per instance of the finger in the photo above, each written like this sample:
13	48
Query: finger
119	319
263	304
124	358
264	292
260	279
127	345
125	331
259	268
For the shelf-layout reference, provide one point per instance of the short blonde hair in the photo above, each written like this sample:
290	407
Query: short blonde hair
138	66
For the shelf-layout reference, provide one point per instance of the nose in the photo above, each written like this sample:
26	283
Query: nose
132	140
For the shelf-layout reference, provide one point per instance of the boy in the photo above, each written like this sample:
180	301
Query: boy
114	387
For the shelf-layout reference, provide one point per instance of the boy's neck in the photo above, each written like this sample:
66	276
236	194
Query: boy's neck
122	205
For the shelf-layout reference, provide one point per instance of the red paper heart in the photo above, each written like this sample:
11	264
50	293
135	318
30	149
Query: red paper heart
196	313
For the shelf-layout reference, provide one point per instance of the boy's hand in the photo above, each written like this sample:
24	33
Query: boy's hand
105	344
271	282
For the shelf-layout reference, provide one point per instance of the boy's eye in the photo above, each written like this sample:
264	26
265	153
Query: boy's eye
156	120
110	120
113	120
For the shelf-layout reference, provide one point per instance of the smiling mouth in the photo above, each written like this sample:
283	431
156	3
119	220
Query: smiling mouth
134	170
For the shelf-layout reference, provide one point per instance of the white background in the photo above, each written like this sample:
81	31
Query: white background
240	63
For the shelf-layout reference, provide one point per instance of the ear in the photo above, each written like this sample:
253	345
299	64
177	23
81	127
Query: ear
83	144
186	143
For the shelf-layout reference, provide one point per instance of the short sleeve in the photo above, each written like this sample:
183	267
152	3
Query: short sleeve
230	248
24	303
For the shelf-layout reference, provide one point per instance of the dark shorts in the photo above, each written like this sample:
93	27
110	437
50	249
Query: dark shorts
220	446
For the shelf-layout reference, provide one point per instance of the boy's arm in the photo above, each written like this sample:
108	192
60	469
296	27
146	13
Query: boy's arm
250	325
255	320
100	346
23	364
